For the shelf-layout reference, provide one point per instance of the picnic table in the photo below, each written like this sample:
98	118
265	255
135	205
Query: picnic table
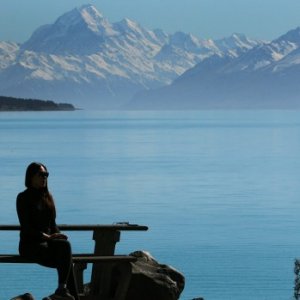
103	259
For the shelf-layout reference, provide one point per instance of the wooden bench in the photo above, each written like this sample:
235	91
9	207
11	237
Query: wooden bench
80	263
103	259
77	258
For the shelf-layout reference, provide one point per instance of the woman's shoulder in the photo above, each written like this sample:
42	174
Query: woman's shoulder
23	195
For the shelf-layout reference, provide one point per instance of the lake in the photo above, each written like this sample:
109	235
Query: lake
219	191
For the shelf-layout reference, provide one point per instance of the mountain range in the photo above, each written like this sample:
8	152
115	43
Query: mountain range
85	60
264	77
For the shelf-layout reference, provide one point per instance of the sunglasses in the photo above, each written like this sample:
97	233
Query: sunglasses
43	174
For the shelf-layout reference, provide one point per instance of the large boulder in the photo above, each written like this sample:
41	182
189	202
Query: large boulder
26	296
153	281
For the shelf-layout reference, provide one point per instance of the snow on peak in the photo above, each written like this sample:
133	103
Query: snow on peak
6	47
80	30
8	53
129	23
92	17
87	15
190	43
135	33
236	41
89	7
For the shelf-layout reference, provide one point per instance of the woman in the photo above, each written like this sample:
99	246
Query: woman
40	238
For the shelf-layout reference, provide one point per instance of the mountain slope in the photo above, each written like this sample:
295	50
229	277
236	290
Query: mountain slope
266	76
8	52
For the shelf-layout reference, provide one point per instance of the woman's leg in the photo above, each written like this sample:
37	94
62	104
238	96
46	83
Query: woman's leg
61	255
57	254
72	285
62	252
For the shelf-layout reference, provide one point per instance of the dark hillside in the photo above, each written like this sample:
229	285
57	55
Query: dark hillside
19	104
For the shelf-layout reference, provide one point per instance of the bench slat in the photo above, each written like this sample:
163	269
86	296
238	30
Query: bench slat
104	259
88	258
7	258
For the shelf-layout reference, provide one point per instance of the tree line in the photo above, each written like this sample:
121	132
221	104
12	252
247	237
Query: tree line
21	104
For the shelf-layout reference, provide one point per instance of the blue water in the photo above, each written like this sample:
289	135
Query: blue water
219	190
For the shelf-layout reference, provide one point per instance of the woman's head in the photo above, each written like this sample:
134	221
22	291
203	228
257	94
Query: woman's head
36	176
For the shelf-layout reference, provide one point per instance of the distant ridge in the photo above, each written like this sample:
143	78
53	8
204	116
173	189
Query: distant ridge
264	77
84	59
19	104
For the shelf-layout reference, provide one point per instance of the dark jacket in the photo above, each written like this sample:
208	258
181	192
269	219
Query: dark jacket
35	217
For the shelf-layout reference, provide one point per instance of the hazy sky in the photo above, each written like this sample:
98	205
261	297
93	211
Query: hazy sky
265	19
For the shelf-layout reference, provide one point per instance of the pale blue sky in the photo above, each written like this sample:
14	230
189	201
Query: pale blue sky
265	19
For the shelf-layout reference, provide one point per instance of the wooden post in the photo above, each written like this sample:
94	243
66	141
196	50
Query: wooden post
78	273
105	243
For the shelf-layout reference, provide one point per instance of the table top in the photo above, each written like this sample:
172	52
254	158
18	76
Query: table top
89	227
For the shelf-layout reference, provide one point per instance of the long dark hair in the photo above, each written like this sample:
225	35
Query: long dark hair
46	196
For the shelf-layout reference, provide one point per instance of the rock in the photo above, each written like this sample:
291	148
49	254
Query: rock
153	281
26	296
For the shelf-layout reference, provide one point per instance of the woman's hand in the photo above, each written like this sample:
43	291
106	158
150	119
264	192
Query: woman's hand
58	235
53	236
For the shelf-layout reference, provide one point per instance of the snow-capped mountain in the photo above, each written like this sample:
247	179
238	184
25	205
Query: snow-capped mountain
236	43
8	52
264	76
80	31
84	59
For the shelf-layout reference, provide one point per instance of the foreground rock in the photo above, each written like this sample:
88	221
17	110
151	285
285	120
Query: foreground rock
26	296
153	281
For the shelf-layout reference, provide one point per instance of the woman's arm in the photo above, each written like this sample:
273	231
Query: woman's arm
25	219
